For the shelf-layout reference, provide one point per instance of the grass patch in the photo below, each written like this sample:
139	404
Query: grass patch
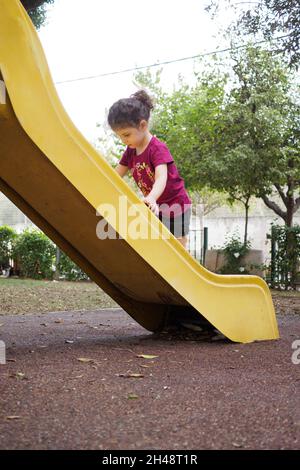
285	293
21	282
22	296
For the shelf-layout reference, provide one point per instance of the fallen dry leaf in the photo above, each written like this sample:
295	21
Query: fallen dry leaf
85	359
237	444
134	376
146	356
132	396
13	417
20	375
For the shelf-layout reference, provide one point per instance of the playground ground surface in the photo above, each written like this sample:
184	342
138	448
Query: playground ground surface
95	379
22	296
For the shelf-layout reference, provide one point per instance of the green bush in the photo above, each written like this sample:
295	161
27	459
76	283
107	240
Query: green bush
285	256
234	250
35	253
69	270
7	239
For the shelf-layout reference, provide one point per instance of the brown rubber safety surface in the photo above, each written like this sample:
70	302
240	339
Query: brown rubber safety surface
70	383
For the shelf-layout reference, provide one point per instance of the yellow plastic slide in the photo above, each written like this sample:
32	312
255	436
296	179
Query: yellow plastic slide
59	180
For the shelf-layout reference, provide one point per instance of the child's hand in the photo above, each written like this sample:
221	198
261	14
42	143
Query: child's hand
151	203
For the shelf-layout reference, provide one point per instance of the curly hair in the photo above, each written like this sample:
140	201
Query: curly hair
129	112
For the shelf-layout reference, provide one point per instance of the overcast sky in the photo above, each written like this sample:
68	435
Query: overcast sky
100	36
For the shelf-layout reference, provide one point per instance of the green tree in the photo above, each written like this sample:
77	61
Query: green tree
269	17
261	127
191	120
37	10
187	119
258	137
245	142
210	200
7	238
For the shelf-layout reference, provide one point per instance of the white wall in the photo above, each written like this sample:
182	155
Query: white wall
259	225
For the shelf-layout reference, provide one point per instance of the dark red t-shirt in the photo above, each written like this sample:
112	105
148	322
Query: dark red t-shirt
174	199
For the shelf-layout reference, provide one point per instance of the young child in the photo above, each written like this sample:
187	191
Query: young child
151	164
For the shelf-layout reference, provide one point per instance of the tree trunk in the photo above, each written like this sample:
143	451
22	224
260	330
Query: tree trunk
290	239
57	261
246	204
290	211
290	243
274	207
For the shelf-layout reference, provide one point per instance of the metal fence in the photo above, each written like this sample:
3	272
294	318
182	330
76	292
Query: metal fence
197	243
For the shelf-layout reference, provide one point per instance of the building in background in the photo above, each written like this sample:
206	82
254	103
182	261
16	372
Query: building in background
12	216
225	221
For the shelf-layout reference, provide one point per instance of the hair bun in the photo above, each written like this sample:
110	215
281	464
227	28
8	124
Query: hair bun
143	97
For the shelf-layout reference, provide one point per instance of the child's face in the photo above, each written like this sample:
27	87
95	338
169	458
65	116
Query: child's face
132	136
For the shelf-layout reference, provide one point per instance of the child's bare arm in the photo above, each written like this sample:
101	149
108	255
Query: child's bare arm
121	170
161	176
